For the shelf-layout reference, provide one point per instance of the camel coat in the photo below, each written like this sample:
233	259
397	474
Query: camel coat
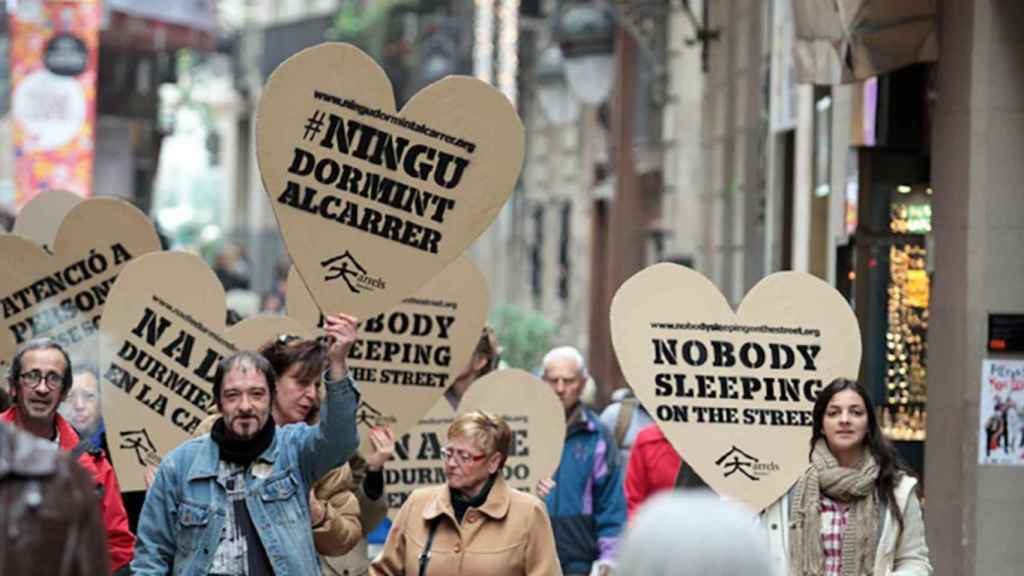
510	535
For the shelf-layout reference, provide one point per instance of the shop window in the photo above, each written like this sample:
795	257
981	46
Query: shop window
904	416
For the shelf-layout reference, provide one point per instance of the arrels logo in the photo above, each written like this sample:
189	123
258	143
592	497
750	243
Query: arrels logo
372	417
736	460
346	267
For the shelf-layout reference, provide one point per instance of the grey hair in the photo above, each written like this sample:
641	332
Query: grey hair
566	353
714	536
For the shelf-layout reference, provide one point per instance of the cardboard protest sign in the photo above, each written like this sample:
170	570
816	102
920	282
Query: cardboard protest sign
407	357
528	405
41	217
62	295
372	203
733	391
253	333
161	343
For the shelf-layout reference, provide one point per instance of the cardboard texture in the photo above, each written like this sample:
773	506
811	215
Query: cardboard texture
41	217
733	391
373	203
407	357
532	411
161	342
63	294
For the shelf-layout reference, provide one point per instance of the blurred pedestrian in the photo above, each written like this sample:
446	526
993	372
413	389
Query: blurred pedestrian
855	510
585	498
50	521
40	378
653	467
694	534
474	524
624	418
82	406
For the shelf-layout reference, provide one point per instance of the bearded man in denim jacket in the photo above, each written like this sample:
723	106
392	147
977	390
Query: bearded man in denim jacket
235	502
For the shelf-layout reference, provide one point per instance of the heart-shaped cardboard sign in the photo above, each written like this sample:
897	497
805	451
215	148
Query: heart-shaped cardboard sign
373	203
733	391
40	219
528	405
62	295
407	357
162	338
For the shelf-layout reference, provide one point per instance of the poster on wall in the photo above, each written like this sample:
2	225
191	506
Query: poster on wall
54	53
1001	438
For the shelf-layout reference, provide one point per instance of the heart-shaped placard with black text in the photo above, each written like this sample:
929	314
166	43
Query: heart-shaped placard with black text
733	391
372	202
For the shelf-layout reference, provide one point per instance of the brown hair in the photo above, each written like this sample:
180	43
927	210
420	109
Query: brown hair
487	431
287	351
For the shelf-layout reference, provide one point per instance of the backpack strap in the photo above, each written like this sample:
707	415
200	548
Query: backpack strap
425	555
626	410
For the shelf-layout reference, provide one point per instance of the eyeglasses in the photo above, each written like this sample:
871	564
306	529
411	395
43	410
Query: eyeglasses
460	456
33	377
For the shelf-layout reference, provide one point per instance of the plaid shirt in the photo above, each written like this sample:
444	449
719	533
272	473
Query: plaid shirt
833	523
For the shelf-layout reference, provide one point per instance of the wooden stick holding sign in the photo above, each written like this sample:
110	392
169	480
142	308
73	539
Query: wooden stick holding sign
528	405
733	391
407	357
372	202
62	293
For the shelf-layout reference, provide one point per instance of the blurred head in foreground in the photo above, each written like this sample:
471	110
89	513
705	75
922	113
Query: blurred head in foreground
698	534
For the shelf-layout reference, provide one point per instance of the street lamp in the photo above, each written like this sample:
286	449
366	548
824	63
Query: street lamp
557	101
586	35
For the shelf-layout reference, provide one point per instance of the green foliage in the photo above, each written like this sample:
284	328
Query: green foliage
524	335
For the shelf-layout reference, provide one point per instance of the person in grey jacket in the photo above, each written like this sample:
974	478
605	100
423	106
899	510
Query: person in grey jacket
234	502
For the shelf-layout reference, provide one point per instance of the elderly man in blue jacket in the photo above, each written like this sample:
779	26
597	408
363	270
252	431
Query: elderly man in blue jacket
584	499
235	501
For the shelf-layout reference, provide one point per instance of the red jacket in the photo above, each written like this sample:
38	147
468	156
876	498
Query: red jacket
120	540
653	467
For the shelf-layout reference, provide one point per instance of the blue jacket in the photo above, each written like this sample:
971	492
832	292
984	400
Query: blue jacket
587	506
181	521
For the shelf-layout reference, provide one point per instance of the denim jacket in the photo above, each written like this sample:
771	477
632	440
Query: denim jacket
182	519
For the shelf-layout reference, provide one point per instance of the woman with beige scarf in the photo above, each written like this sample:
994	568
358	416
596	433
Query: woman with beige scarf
854	512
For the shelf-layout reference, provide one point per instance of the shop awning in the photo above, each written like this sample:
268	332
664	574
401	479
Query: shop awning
842	41
158	25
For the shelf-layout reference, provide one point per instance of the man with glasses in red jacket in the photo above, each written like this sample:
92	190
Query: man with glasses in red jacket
40	378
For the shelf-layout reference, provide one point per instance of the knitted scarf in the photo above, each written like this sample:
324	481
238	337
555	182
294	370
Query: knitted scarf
853	486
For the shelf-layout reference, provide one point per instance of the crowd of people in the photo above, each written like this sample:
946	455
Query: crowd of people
274	483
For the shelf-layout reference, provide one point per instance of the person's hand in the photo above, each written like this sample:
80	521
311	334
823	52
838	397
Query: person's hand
382	440
601	568
341	329
317	513
544	487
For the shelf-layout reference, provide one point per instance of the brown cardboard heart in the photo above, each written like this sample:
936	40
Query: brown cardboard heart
373	203
532	410
407	357
63	295
161	342
40	219
710	377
